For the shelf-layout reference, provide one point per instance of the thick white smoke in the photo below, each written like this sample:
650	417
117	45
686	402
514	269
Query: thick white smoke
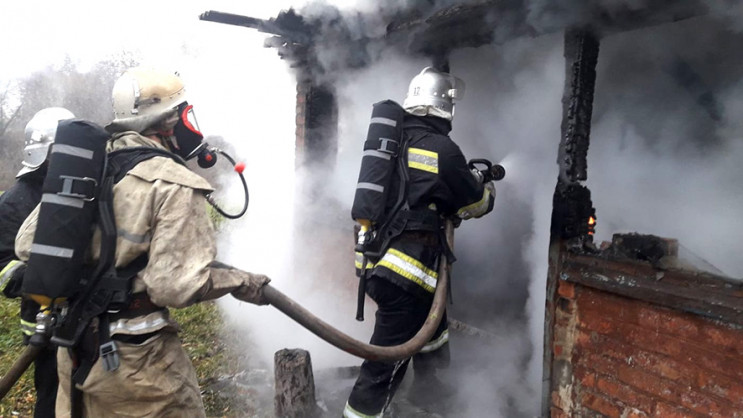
664	159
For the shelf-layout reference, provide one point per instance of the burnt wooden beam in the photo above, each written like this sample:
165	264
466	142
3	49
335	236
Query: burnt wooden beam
571	205
272	26
699	293
480	23
581	52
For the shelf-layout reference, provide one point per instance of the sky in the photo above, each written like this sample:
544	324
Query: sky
38	33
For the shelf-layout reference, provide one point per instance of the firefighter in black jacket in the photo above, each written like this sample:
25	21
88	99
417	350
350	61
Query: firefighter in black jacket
403	279
15	205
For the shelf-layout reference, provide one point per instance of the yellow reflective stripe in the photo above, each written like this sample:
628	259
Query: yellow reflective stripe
349	412
9	267
409	268
437	343
476	209
423	160
359	261
28	328
7	272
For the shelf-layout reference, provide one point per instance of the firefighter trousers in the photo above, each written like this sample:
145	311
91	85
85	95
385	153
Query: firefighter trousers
398	318
45	382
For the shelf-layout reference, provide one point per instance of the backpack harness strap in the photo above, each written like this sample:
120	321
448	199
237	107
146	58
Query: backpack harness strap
107	291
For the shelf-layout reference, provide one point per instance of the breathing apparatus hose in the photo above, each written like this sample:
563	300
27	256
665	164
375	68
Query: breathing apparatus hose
239	170
19	367
364	350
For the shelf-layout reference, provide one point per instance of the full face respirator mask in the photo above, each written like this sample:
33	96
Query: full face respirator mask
188	143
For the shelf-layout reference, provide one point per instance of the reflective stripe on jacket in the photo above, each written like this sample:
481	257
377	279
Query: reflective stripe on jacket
438	178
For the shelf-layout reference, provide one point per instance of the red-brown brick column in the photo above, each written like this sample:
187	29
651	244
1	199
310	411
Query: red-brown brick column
634	359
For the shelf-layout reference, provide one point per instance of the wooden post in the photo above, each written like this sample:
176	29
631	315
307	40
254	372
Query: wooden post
294	384
571	204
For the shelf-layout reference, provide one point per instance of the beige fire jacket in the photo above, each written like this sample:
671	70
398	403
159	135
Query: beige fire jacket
160	210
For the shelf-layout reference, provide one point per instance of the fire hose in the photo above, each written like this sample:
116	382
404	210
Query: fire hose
315	325
20	366
368	351
490	172
321	328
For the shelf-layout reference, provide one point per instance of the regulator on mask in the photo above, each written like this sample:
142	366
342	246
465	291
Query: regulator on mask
188	142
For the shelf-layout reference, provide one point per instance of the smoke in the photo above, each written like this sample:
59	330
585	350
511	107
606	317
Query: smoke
664	158
665	143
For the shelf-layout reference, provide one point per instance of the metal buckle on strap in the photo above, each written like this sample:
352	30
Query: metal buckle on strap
68	182
109	357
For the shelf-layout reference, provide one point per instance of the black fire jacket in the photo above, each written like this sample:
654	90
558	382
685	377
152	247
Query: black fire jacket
15	205
439	181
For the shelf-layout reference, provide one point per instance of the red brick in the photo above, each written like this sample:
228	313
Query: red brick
585	377
674	393
690	352
707	405
600	404
649	317
677	323
665	410
687	375
722	386
583	339
597	363
599	324
723	365
721	336
625	394
645	382
566	289
601	304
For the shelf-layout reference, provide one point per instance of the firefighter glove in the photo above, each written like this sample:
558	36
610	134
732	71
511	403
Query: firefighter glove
11	278
251	290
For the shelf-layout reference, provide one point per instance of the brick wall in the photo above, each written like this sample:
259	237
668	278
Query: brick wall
622	357
316	124
303	89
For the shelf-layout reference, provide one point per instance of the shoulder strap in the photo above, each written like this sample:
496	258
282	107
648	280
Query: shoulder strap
104	285
123	160
394	224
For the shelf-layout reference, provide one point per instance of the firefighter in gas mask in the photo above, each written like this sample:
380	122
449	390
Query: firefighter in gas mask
402	277
15	205
161	223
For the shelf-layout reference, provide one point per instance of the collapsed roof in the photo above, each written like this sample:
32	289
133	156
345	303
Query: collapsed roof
432	30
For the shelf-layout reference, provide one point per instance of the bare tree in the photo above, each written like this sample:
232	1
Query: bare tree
86	94
8	111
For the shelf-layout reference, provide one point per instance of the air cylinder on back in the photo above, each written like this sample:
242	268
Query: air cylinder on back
381	149
68	212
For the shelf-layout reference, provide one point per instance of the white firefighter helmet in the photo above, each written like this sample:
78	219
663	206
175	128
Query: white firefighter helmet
144	97
433	93
39	136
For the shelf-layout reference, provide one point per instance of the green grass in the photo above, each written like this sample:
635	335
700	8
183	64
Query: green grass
201	334
21	397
